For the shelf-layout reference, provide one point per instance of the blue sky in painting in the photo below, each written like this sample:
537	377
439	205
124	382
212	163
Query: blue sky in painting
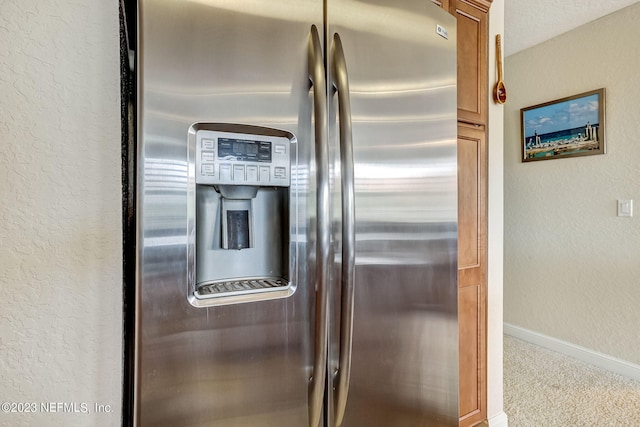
561	116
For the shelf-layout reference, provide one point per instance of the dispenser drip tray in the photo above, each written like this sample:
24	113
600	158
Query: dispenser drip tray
241	287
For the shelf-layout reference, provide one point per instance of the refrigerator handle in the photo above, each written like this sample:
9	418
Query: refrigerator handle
341	82
323	247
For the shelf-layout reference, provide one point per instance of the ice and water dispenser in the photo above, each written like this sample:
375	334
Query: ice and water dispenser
242	225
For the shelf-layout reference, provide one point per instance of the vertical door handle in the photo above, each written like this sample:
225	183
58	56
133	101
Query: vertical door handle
323	224
341	83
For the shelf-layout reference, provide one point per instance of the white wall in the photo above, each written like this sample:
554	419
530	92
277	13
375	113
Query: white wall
495	401
572	267
60	223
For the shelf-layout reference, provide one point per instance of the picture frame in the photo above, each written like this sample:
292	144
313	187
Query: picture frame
567	127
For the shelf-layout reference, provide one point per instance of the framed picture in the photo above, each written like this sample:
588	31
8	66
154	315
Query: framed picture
567	127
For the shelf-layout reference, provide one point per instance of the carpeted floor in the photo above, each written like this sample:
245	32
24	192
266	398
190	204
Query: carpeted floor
544	388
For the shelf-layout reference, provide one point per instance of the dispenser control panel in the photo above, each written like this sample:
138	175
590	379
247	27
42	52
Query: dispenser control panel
226	158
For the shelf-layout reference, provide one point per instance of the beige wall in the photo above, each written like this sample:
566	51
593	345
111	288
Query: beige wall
572	267
60	223
495	413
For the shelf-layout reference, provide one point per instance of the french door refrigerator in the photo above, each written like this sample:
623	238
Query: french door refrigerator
296	209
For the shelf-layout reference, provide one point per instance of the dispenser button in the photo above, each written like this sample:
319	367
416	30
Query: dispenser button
238	173
265	174
264	152
225	173
280	173
207	170
208	156
208	144
280	149
252	173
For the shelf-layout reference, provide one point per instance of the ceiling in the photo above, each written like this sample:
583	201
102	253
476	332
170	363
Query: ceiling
530	22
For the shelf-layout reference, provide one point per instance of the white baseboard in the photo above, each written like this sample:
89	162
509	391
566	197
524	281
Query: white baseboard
499	420
601	360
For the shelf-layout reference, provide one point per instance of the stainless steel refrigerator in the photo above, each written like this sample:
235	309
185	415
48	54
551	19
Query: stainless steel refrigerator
296	205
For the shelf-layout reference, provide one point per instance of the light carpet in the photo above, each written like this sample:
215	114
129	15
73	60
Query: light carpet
545	388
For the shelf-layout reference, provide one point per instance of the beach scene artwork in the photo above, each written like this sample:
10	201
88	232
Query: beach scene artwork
567	127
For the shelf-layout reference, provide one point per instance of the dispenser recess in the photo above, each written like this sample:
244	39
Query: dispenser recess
240	228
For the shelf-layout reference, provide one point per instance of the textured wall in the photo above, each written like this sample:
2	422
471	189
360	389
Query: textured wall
531	22
495	232
572	267
60	224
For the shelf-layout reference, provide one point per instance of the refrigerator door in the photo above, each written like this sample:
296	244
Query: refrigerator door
237	365
401	71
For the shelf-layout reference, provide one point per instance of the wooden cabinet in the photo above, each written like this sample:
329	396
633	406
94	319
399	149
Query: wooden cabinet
473	28
472	272
472	59
472	39
472	20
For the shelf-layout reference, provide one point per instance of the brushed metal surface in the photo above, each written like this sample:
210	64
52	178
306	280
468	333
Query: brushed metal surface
323	228
402	79
244	364
250	364
340	78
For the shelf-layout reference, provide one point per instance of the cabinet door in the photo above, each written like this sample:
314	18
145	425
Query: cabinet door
472	60
472	243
